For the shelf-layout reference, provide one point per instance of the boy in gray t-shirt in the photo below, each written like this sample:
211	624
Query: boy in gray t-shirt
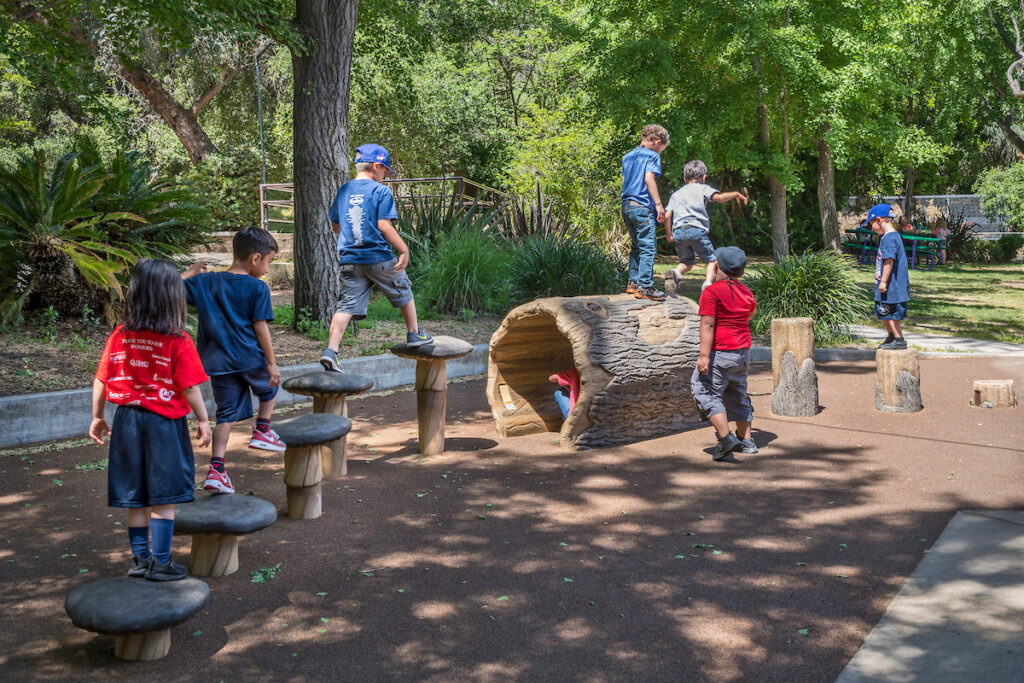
687	224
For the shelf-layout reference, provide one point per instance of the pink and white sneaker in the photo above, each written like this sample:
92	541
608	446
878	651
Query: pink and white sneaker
219	482
267	441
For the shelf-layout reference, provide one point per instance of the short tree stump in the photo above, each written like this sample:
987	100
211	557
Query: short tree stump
137	612
217	524
303	471
432	386
898	381
994	393
330	391
794	378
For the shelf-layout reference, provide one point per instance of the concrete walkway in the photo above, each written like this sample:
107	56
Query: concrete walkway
937	342
960	616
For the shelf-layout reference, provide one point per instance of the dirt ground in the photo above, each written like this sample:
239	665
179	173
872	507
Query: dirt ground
508	559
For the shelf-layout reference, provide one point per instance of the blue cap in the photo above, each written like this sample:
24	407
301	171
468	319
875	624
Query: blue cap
731	260
374	154
878	211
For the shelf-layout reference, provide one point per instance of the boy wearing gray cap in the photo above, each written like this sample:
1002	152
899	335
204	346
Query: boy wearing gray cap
719	382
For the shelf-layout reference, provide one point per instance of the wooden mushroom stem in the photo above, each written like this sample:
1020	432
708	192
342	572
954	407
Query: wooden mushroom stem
214	554
431	404
333	456
143	647
303	472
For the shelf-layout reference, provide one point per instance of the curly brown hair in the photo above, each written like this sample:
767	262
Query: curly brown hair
653	131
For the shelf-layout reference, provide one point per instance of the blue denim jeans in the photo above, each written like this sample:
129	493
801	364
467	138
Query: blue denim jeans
643	238
562	399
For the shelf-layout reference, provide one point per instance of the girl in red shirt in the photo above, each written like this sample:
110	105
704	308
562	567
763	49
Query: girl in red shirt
151	370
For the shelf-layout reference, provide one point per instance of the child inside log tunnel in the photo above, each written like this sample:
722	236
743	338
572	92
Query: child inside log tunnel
568	390
719	382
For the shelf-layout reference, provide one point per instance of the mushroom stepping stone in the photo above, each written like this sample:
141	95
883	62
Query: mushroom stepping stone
137	612
432	386
329	391
217	524
303	471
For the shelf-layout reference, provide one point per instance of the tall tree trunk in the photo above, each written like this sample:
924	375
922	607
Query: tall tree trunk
777	194
321	158
827	197
1011	135
910	174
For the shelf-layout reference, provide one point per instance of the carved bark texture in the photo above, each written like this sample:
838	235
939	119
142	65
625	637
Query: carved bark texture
635	358
776	191
333	457
830	237
143	647
794	379
431	404
321	149
214	554
994	393
304	502
898	381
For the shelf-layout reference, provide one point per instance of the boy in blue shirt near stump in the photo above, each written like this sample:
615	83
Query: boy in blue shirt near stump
361	217
892	279
235	346
642	209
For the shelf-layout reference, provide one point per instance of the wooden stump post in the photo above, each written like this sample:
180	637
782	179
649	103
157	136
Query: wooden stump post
898	381
216	525
214	555
432	386
330	392
635	358
143	647
794	378
303	466
994	393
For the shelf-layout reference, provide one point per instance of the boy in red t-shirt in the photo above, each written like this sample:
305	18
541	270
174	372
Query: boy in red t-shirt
719	382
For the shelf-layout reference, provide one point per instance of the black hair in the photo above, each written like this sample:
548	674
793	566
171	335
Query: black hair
252	240
155	301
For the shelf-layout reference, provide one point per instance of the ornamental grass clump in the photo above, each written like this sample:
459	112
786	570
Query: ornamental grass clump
547	266
816	285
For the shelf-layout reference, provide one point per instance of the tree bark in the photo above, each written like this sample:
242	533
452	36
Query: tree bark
830	238
1011	135
321	163
777	194
911	171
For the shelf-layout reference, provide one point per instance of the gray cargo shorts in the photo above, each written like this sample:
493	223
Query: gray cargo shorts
359	279
724	388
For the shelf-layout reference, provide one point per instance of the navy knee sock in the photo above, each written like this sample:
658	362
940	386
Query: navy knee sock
162	530
217	464
139	538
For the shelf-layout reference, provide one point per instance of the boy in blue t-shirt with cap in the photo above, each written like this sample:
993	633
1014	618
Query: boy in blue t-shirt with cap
234	344
892	280
361	217
642	209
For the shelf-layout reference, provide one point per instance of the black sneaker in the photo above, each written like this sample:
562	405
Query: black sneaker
895	345
726	445
888	340
650	293
329	359
139	566
748	446
418	338
168	571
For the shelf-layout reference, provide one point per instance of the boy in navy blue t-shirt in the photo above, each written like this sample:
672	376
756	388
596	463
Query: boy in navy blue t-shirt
234	344
892	280
361	217
642	209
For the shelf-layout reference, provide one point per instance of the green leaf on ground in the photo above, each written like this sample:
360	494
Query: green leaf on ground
58	482
325	620
503	597
264	574
83	571
801	564
567	580
198	633
679	557
804	631
562	545
716	552
321	594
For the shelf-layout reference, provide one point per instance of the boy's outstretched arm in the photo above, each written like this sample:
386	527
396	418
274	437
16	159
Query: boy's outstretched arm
395	240
652	188
723	197
99	426
194	269
262	331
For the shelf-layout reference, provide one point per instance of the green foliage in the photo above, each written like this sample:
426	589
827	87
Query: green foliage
1002	194
544	266
309	325
227	186
964	245
466	269
817	285
1007	247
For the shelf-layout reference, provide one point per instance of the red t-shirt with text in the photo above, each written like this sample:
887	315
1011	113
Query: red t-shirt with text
731	303
150	370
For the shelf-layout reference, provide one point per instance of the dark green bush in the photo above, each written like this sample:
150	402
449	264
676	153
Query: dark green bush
465	270
228	188
545	266
1007	247
964	245
816	285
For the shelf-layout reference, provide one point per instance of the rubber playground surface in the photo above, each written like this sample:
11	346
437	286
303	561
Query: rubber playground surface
508	559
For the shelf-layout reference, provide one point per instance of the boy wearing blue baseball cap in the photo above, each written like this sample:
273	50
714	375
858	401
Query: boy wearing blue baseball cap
361	217
719	382
892	280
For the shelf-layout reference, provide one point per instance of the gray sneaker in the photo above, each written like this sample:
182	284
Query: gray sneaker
896	344
139	566
329	359
748	446
726	445
168	571
418	338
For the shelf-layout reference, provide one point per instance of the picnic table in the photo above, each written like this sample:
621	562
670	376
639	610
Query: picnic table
861	241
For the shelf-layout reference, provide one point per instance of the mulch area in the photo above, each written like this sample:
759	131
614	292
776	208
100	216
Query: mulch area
507	559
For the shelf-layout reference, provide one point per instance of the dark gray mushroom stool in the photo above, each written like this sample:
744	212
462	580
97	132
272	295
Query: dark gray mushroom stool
330	391
217	524
303	470
137	612
432	386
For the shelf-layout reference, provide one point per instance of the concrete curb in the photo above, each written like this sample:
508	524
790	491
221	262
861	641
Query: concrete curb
31	418
760	354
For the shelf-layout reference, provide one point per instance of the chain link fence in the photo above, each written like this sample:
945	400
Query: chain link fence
927	209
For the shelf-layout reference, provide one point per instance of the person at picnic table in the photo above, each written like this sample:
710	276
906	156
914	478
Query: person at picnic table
940	231
892	282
